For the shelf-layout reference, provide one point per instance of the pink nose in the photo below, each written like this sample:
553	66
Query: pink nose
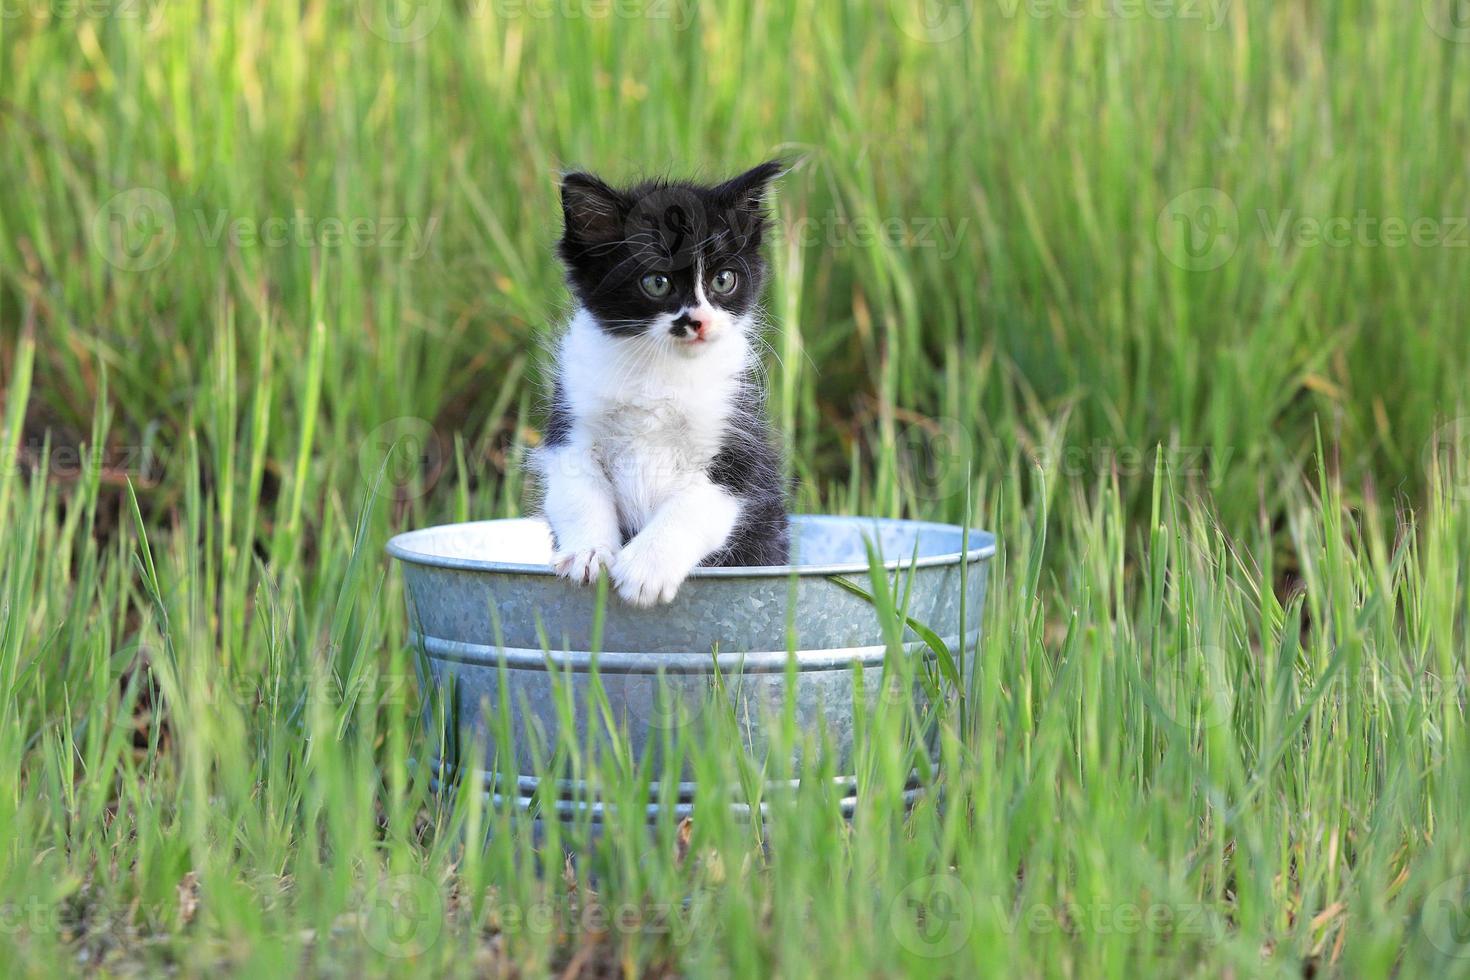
702	318
693	323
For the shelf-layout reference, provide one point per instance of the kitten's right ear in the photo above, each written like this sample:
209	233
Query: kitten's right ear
747	192
592	210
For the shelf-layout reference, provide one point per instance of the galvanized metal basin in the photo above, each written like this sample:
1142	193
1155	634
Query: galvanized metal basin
487	612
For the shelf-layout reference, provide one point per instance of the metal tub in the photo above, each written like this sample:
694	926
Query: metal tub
486	611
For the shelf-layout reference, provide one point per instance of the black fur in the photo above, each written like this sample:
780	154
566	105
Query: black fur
613	238
749	466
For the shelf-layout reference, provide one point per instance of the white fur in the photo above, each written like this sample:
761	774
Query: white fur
649	413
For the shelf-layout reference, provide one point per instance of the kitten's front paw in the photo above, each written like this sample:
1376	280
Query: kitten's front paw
647	574
582	565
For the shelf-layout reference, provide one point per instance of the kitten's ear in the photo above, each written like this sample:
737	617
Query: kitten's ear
748	191
593	211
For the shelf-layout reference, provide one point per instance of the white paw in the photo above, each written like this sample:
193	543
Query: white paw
582	565
647	574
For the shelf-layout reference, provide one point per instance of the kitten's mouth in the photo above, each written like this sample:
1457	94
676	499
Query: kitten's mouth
692	340
693	346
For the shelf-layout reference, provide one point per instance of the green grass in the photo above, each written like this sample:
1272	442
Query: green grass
1219	721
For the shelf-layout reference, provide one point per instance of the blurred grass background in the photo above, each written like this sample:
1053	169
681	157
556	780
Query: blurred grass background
977	229
247	251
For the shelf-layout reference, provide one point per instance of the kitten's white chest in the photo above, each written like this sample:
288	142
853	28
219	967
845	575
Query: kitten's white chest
652	448
653	426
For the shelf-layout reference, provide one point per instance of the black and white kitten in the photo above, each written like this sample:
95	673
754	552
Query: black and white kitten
658	455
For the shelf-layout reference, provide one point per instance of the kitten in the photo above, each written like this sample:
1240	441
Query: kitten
658	454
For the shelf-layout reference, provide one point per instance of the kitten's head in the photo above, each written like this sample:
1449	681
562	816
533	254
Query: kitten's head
677	263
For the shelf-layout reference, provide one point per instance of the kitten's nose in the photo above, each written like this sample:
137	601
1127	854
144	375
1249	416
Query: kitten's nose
687	325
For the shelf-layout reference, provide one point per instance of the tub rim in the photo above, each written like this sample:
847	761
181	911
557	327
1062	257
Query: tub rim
400	546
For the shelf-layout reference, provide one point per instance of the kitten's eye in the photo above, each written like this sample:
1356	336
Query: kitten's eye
656	284
724	282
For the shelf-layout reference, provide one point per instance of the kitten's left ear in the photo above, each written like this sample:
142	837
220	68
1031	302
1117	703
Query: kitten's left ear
592	210
748	191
